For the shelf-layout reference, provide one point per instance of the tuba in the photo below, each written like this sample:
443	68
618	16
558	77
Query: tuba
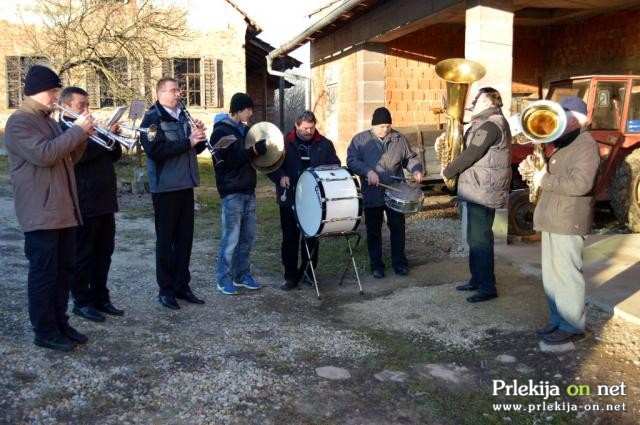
459	74
541	122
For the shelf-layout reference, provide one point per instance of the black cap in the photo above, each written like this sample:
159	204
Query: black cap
239	102
40	78
381	116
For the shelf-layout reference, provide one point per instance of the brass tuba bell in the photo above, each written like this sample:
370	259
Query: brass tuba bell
459	74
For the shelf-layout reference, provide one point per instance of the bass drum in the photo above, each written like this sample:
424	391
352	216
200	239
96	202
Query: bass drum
327	201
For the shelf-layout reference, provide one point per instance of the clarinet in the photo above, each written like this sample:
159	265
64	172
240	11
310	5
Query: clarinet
207	143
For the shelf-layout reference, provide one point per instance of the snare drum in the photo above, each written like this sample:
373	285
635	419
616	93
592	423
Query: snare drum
327	200
403	198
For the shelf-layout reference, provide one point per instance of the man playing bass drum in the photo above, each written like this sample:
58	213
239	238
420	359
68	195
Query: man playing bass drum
304	147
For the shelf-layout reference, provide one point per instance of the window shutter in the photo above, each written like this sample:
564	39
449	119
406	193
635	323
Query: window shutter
14	81
93	88
167	70
212	83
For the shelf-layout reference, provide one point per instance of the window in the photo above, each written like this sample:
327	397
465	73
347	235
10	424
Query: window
608	104
633	116
108	96
17	67
199	79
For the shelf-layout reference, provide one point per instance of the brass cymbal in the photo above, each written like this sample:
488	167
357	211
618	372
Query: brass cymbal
274	156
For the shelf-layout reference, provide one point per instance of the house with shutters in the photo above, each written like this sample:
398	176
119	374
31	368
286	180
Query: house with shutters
221	55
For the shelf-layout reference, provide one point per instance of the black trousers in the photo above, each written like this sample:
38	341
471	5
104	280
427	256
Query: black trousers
95	244
292	243
480	240
174	238
51	255
395	221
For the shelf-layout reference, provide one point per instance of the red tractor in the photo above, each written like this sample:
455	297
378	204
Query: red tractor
613	103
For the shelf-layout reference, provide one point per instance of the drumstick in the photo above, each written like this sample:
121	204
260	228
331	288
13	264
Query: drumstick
386	186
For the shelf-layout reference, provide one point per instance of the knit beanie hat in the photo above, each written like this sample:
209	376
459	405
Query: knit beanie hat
575	107
381	116
239	102
40	78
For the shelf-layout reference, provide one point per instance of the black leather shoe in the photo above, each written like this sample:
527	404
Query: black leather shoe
547	329
110	309
88	313
561	337
378	274
169	302
478	298
74	335
402	271
467	287
308	281
189	296
60	343
289	285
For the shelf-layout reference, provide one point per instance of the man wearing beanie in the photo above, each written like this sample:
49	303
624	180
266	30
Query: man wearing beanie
484	176
41	159
304	147
376	156
172	164
236	184
564	214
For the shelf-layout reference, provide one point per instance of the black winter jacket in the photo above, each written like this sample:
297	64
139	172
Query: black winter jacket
96	178
171	161
321	153
234	173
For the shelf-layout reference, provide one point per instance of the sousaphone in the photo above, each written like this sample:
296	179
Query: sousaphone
274	157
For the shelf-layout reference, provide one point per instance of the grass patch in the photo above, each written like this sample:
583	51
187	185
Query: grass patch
400	352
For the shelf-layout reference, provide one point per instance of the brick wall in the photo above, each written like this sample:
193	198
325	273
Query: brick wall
412	87
529	57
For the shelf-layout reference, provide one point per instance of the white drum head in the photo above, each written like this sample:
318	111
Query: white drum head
308	204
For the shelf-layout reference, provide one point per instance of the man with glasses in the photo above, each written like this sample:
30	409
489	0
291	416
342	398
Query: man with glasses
172	164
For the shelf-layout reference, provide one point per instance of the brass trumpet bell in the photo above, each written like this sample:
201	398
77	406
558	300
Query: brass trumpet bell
543	121
274	157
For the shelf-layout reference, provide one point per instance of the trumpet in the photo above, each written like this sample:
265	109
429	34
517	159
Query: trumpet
151	131
110	138
213	151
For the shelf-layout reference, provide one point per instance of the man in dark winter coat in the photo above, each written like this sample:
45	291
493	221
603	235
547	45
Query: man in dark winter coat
304	147
484	175
41	159
97	186
376	155
236	183
564	214
172	164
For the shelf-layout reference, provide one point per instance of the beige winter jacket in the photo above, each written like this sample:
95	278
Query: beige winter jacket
41	159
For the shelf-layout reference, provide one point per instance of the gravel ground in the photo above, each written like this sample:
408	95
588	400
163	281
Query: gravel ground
252	359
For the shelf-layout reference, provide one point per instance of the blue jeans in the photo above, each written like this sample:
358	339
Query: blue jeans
480	240
238	236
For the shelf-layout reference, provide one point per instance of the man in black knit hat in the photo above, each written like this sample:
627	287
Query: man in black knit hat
41	159
376	155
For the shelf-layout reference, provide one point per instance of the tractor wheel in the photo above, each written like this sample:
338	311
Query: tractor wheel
520	213
625	192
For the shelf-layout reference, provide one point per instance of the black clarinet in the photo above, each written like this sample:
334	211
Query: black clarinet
207	143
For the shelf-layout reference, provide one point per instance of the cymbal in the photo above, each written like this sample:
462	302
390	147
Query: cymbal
274	157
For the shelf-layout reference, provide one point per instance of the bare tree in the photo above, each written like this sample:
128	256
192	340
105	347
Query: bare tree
102	37
294	104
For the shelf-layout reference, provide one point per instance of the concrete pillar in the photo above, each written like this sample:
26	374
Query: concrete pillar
370	79
489	40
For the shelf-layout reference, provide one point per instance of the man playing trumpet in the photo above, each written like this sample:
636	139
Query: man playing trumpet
564	214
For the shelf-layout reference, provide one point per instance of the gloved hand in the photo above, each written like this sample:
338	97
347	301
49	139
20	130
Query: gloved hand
260	147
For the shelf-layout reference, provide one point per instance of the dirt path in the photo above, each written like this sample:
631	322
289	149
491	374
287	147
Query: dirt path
409	351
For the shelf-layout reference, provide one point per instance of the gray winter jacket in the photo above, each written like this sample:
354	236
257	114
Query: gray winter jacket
487	181
386	158
566	199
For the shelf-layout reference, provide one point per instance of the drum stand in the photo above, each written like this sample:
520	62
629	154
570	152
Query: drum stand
347	236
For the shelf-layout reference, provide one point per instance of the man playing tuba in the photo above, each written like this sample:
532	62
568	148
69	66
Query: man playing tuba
484	175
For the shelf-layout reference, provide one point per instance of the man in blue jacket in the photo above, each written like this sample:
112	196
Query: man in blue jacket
376	155
172	164
304	147
236	183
